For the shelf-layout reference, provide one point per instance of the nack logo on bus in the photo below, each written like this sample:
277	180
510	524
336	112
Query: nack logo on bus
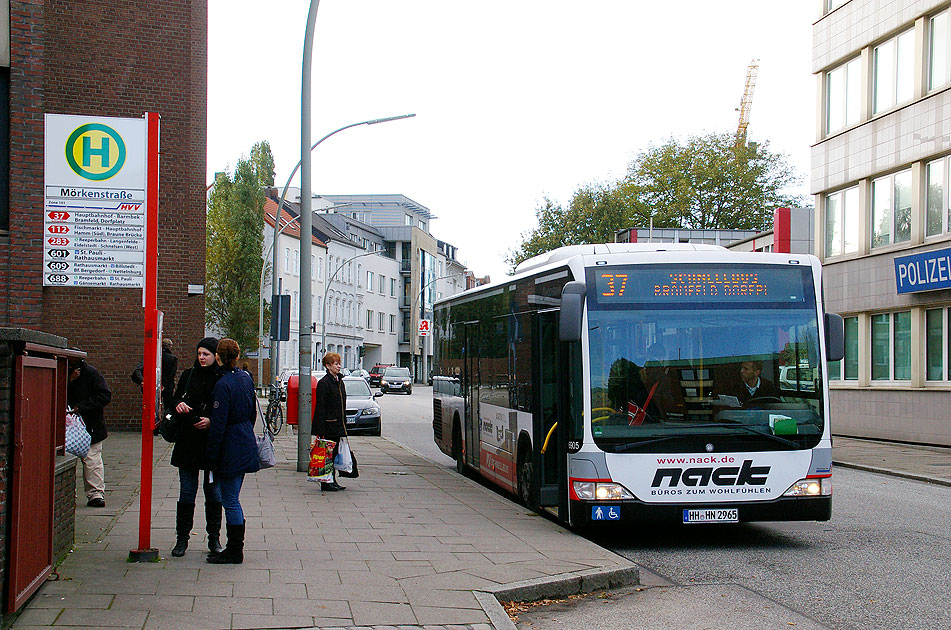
745	475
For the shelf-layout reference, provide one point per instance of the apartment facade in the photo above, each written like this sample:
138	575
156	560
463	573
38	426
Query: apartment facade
881	180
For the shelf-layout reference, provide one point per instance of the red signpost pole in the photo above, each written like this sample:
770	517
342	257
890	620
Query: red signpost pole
145	553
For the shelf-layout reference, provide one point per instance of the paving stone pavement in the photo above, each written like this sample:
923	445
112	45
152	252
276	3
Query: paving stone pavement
408	545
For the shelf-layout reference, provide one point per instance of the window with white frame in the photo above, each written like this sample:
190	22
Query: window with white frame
842	222
894	70
370	280
287	260
891	209
369	319
891	346
380	321
851	361
392	323
844	95
320	268
938	345
320	309
359	276
295	308
313	265
937	197
939	52
382	284
392	287
407	219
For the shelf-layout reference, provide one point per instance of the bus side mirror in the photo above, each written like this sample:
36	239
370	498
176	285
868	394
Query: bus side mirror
835	337
572	309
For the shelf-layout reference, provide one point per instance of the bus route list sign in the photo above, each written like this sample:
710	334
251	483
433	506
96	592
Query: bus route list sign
94	202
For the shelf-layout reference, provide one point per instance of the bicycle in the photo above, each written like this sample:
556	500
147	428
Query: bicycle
274	416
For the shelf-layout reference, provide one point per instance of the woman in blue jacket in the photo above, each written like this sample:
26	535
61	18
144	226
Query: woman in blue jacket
232	449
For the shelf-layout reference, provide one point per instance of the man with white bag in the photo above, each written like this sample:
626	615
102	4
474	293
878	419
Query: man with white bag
87	393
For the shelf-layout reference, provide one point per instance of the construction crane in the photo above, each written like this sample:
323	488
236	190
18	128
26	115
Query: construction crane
746	103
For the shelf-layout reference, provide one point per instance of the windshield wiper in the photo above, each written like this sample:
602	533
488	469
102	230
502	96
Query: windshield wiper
628	446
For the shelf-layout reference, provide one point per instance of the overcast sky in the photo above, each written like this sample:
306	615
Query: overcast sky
515	100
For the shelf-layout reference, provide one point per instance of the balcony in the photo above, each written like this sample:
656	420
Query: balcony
404	303
406	266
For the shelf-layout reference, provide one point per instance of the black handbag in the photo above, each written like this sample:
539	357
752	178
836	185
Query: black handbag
170	428
353	474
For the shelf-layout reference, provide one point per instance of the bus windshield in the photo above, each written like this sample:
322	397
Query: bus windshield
710	359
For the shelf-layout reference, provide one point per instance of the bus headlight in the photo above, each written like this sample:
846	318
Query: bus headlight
598	491
810	488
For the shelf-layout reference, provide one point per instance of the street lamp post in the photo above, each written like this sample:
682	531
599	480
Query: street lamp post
323	314
274	245
413	310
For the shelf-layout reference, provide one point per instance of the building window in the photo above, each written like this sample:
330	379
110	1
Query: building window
296	263
936	349
832	5
320	268
313	265
939	54
369	280
392	287
295	308
407	219
369	319
891	209
287	260
380	321
392	323
382	285
891	346
842	222
894	71
938	197
844	95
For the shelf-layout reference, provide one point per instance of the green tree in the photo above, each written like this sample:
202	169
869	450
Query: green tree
704	182
709	182
235	230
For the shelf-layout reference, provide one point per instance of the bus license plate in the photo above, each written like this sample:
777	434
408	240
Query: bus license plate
712	516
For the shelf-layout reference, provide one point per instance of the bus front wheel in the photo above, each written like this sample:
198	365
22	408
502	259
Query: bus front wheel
525	480
457	448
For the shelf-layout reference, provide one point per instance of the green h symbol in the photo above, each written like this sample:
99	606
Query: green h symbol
102	151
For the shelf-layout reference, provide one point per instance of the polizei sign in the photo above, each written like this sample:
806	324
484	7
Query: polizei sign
94	224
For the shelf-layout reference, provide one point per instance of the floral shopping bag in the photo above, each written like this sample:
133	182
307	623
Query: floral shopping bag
321	467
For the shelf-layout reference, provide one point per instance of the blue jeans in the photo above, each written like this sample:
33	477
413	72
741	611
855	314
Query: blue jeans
230	491
188	487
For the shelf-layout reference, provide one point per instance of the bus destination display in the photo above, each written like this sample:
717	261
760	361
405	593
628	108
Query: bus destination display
698	283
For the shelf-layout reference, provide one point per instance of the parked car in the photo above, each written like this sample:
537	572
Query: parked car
396	379
376	372
363	412
361	373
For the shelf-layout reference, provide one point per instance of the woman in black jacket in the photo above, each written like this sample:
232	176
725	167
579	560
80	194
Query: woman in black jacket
192	403
232	449
330	415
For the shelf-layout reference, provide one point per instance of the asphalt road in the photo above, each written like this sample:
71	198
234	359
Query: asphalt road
882	562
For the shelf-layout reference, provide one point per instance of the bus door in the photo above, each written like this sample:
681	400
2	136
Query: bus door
550	422
471	394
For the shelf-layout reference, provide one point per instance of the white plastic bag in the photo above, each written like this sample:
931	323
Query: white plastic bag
78	439
343	462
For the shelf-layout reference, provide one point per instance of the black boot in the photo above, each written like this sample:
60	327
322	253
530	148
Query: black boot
334	485
184	517
213	525
234	550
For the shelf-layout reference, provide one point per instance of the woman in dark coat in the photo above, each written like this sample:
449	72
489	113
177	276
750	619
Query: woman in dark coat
232	449
330	415
192	403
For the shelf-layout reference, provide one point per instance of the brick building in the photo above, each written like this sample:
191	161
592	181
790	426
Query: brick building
117	58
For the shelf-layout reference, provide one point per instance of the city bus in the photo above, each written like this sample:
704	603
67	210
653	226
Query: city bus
642	383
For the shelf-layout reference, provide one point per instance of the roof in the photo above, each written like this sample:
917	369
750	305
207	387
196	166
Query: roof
292	230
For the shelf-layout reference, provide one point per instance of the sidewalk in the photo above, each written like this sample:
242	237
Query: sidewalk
407	545
923	463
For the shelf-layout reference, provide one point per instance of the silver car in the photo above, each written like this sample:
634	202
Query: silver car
363	412
396	379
